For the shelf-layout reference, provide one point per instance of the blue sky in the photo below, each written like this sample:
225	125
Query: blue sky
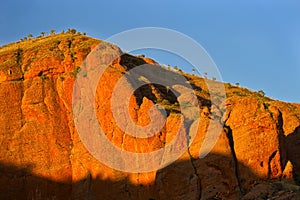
255	43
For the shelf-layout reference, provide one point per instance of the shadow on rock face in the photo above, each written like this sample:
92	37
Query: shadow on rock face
20	183
293	152
180	180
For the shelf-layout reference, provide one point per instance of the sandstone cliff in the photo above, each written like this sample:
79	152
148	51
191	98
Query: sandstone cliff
42	156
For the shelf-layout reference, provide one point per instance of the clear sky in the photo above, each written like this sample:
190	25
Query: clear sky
255	42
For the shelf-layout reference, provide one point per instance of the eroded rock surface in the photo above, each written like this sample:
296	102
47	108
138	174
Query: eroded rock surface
43	157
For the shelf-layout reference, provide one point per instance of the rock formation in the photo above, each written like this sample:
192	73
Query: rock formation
43	157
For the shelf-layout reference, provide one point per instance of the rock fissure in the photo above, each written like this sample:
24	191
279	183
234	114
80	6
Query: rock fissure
269	164
19	57
230	138
281	140
199	186
123	140
127	191
23	122
187	125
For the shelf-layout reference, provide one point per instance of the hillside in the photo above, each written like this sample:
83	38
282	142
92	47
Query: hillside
42	156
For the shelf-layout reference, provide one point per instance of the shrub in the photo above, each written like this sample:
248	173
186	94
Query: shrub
72	31
43	77
76	71
141	56
165	102
261	93
73	55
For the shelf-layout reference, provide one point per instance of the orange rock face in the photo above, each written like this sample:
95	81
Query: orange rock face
42	156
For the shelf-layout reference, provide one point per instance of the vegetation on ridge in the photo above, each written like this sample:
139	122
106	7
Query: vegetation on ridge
38	132
50	41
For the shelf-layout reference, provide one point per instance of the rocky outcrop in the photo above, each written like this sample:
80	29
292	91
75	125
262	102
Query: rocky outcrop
42	155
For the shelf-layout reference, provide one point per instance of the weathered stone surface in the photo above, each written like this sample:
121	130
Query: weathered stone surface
43	157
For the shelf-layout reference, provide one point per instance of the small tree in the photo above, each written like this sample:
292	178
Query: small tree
167	88
42	34
141	56
52	32
73	31
30	35
261	93
237	84
175	67
193	70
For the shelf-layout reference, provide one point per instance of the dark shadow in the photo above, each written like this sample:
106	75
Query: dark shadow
292	142
130	61
20	183
177	181
146	91
289	146
146	79
204	101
